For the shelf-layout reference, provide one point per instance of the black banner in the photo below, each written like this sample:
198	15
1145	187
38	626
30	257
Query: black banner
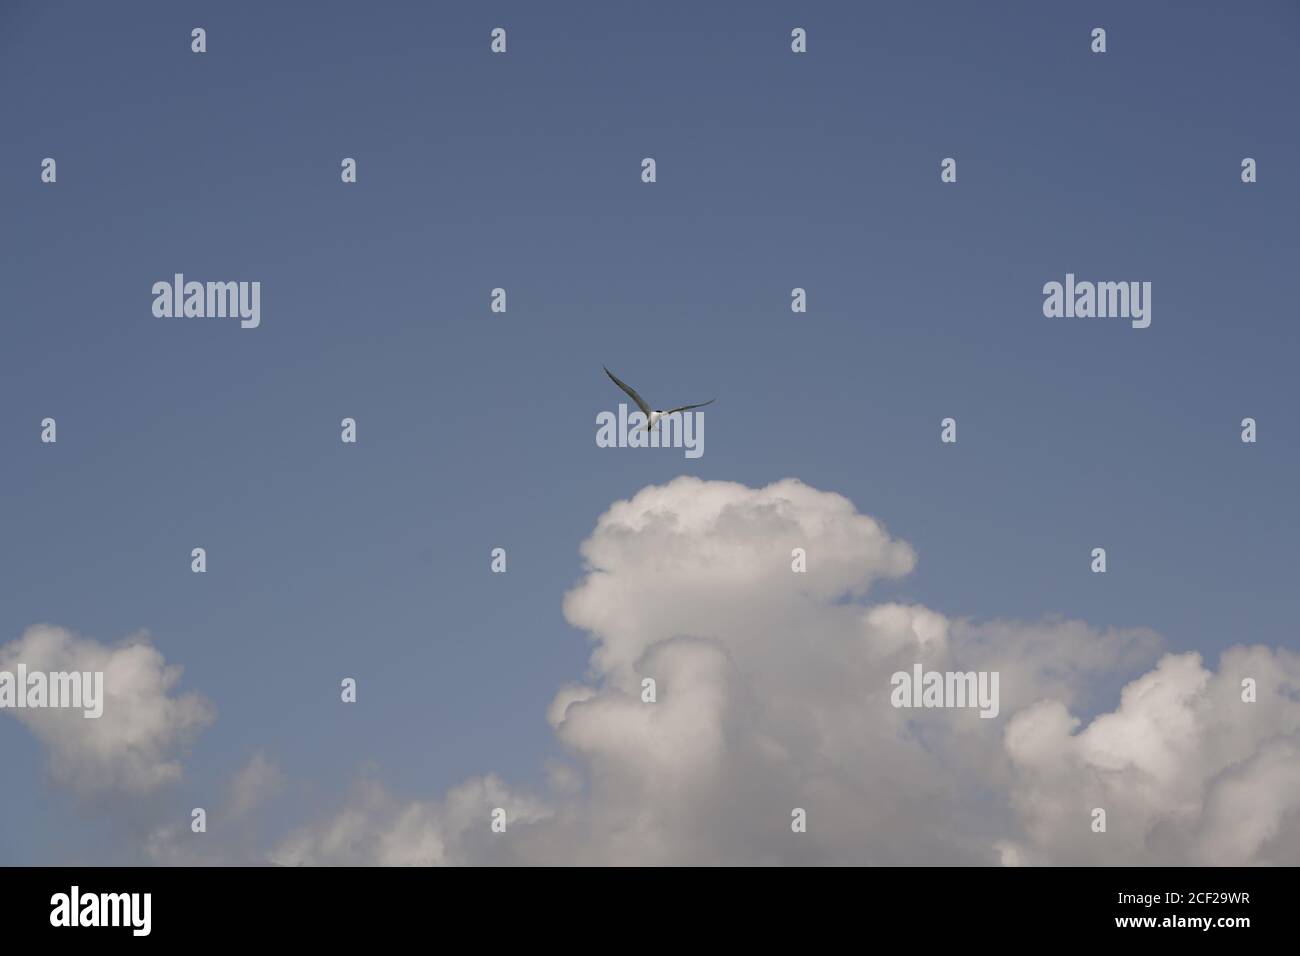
326	906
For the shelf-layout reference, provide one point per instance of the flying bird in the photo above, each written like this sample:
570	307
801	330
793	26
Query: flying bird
652	416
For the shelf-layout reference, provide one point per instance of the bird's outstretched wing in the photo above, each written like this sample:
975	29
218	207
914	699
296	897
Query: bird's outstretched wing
640	402
687	408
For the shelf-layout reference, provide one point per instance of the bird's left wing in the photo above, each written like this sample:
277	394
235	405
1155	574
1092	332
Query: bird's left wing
631	392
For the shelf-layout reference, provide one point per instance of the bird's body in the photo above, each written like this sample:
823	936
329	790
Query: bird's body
652	415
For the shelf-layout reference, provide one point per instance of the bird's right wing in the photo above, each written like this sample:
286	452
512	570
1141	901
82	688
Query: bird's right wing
640	402
687	408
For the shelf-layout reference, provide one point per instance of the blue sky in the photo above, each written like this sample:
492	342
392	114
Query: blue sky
477	430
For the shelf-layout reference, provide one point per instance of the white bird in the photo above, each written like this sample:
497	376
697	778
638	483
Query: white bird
652	416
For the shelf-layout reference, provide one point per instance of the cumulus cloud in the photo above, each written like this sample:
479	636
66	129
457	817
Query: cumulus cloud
774	689
231	837
377	829
773	693
133	747
253	784
1186	770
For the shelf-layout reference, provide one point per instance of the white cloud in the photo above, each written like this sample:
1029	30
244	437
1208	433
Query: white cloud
231	836
376	829
774	689
1187	772
253	784
133	746
774	693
